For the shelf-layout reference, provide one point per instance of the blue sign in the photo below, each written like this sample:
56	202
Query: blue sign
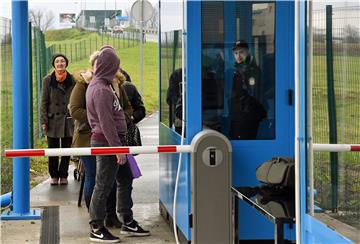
122	18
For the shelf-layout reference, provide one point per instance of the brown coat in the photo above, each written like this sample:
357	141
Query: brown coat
53	106
77	108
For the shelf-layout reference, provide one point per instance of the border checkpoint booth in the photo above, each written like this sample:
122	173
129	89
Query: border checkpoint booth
197	39
275	37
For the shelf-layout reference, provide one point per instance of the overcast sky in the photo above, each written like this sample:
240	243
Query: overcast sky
69	6
74	6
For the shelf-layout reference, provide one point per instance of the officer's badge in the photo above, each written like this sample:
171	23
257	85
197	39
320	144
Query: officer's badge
251	81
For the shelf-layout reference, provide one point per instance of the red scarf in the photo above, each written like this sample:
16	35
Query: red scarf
60	77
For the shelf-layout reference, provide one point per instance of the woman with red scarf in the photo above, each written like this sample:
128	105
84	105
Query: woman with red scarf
55	119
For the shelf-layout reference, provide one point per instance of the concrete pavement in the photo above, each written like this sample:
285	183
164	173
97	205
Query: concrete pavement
73	221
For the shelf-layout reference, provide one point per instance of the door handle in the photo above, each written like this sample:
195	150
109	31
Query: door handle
290	97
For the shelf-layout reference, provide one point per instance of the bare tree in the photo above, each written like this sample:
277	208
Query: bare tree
154	21
351	34
41	19
319	34
127	12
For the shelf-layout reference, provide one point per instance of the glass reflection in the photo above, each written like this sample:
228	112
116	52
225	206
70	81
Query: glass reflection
238	69
170	60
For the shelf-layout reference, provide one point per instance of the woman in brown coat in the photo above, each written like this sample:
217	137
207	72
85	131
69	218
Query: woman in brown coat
55	119
82	134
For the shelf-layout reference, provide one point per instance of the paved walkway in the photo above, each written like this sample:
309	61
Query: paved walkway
73	220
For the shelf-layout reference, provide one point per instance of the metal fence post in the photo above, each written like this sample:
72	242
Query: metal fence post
80	50
31	90
43	55
65	51
331	108
76	52
38	78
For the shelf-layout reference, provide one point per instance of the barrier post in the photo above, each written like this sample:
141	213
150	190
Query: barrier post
211	178
20	72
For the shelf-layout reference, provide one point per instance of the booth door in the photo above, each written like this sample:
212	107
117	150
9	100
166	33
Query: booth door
249	99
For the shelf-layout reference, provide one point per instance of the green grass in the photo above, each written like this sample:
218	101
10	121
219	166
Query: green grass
6	114
84	43
130	61
66	34
347	89
129	54
346	95
127	50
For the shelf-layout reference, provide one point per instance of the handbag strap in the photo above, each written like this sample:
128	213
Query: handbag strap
115	94
113	90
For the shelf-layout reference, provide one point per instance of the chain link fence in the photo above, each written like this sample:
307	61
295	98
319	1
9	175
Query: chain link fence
79	50
6	102
337	179
41	54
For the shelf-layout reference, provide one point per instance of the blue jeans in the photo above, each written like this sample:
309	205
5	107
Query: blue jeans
107	172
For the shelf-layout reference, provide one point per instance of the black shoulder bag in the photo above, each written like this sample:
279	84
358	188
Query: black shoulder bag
132	136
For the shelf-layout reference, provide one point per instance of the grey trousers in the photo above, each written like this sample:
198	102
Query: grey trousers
107	171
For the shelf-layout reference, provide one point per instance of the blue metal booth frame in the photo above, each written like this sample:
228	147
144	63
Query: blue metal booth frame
208	31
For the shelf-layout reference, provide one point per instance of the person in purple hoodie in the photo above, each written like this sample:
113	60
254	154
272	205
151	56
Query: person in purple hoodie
108	128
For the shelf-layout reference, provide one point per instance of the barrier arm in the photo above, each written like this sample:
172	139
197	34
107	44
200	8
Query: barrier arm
211	175
86	151
336	147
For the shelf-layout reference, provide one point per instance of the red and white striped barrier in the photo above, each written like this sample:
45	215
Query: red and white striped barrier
336	147
85	151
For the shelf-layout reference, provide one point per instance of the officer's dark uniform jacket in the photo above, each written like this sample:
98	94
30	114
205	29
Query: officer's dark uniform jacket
246	111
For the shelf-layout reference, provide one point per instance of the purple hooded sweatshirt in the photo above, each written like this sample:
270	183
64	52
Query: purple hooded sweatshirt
106	116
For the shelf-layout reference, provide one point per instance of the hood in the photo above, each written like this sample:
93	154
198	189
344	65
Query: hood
107	66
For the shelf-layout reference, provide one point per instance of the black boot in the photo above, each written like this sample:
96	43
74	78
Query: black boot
111	220
87	202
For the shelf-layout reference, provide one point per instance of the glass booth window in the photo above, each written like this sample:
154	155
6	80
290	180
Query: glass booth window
171	77
170	64
238	69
